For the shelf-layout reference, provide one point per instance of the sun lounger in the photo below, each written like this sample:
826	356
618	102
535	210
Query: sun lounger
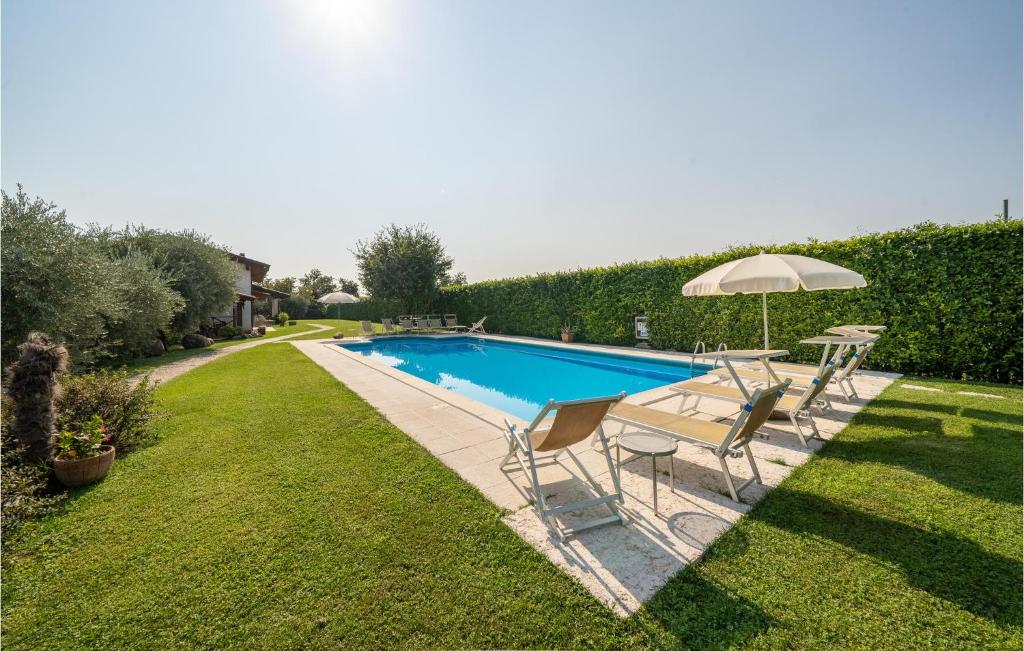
451	322
389	327
791	406
434	324
843	378
723	440
366	329
407	324
574	421
477	327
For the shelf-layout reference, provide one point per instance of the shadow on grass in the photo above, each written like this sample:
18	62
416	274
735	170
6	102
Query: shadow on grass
987	464
704	615
991	416
887	403
912	424
944	565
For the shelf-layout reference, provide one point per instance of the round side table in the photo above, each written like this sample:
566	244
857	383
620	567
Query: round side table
641	445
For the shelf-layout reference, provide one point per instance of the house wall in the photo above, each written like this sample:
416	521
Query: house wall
243	284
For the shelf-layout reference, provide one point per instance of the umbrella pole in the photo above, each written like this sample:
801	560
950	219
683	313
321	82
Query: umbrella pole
764	310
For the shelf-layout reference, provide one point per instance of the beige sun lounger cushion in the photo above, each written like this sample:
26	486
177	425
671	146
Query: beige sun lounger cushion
684	426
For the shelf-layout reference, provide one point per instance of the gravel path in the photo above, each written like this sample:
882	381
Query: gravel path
174	369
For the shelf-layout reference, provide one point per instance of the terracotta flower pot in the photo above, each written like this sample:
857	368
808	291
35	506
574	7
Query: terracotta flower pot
566	337
81	472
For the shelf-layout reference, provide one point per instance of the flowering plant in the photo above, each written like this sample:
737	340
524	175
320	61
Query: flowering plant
86	442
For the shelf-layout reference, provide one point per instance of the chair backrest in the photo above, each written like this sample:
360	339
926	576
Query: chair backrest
574	421
366	327
406	323
389	326
856	360
757	411
451	321
434	324
478	325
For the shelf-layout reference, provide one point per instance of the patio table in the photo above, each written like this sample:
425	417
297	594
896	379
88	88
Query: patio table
643	444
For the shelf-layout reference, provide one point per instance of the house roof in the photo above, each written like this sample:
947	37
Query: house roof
260	290
256	268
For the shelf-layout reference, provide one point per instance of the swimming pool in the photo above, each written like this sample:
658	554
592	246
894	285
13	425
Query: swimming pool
520	378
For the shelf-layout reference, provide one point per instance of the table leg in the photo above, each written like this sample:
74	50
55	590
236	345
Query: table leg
654	481
671	473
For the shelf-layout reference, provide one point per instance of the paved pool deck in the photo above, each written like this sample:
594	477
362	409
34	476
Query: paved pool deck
622	566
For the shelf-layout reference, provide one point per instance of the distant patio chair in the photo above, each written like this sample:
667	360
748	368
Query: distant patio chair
575	420
366	329
477	327
389	327
452	323
434	324
407	323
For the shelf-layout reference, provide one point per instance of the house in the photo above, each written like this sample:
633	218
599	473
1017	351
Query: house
249	274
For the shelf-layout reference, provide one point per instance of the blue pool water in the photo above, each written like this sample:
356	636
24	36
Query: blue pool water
520	378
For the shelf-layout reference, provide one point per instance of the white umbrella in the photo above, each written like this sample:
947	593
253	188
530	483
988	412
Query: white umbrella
337	298
772	272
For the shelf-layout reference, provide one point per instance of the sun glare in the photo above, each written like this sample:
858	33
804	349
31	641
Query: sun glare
347	26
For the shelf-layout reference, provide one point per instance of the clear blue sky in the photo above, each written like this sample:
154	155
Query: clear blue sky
531	136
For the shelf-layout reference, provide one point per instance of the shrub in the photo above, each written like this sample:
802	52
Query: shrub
125	406
292	322
295	305
228	331
195	340
951	296
282	317
23	485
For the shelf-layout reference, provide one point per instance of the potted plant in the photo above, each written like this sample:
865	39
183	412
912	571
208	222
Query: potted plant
567	331
85	456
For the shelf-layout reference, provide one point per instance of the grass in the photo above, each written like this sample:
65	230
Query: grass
177	353
292	514
347	328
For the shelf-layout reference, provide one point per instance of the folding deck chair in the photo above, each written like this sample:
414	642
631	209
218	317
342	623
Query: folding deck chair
389	327
789	406
366	329
575	420
451	322
435	324
723	440
406	323
477	327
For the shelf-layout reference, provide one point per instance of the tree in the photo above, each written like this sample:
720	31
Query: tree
195	267
286	284
295	305
315	284
403	263
348	286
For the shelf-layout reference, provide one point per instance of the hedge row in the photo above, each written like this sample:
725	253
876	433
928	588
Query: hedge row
950	295
365	310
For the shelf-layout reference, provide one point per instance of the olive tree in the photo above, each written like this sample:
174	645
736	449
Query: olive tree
199	270
403	263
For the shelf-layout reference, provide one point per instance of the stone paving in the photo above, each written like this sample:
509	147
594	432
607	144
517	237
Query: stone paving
622	566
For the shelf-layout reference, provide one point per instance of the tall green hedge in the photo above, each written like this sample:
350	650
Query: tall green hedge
951	296
365	310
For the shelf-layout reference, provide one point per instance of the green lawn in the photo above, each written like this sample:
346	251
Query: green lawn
347	328
290	513
176	353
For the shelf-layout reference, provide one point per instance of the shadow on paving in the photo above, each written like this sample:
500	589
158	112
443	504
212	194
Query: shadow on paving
944	565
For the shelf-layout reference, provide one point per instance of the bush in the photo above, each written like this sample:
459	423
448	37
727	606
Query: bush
951	296
228	331
195	340
282	317
295	305
23	485
125	406
292	322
